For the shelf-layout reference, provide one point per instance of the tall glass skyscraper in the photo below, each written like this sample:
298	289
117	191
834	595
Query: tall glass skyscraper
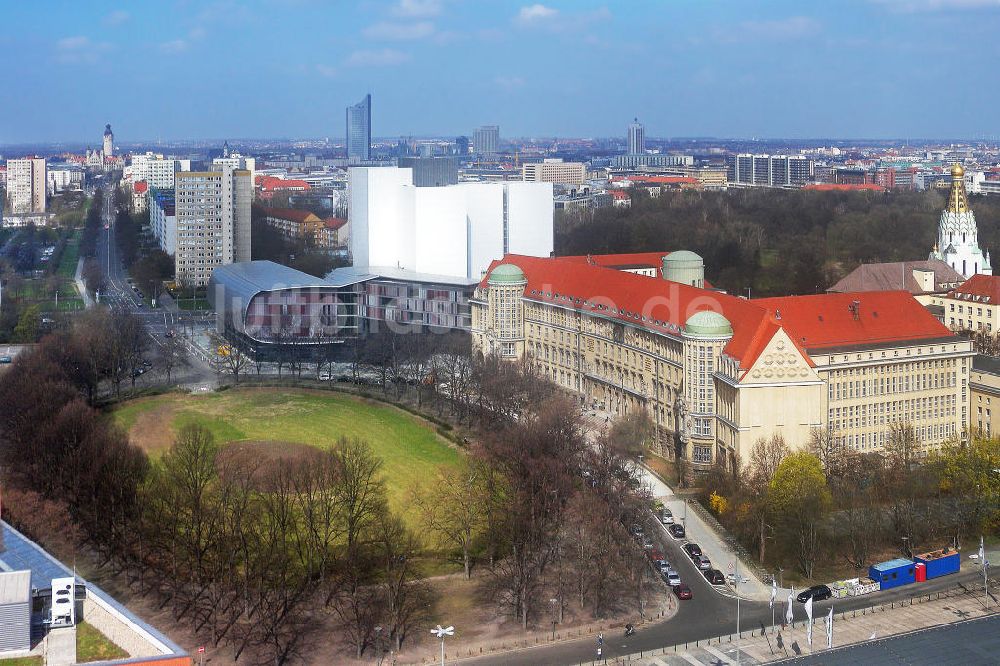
359	129
636	138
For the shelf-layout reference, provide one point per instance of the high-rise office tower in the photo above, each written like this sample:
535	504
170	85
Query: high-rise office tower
109	141
636	138
486	140
359	129
462	145
26	185
212	213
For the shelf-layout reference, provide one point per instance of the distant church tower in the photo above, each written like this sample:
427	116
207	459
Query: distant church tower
958	237
109	141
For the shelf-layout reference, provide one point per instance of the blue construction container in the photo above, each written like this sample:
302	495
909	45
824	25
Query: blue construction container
892	573
940	562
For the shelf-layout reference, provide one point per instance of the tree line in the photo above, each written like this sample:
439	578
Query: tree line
827	505
775	242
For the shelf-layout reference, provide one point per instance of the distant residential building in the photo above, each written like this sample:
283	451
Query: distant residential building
304	225
958	234
64	177
235	161
621	199
163	219
359	130
636	138
974	305
462	145
158	171
750	170
268	186
844	187
486	140
431	171
555	171
446	231
109	141
984	388
26	185
923	279
213	222
655	184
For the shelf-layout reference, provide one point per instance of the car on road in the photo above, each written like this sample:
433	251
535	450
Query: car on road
677	531
693	550
6	359
683	591
169	333
816	593
714	576
703	562
673	579
666	516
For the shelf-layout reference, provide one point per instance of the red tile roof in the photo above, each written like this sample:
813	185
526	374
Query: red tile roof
620	194
812	322
270	184
140	187
334	222
828	187
290	214
827	320
651	259
980	288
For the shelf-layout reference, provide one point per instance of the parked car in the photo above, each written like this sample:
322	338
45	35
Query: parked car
703	562
6	359
816	593
677	531
693	550
169	333
637	530
666	516
665	567
673	579
715	577
647	543
683	591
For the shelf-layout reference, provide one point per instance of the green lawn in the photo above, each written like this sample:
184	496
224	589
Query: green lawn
409	448
22	661
196	304
70	256
92	645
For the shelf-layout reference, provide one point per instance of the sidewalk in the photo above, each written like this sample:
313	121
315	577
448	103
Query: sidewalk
851	628
88	302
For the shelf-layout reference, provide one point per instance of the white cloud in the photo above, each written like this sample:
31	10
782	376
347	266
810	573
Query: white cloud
174	46
117	17
416	8
327	71
509	83
534	14
399	31
377	58
79	49
793	27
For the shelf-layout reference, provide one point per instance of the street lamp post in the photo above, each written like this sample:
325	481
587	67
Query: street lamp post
441	633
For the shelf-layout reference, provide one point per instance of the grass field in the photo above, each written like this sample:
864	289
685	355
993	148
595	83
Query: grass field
70	256
409	448
22	661
92	645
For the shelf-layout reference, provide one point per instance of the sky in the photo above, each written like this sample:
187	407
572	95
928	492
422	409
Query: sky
201	69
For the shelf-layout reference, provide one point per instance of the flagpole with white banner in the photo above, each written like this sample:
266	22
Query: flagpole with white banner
774	593
789	616
829	629
809	621
985	565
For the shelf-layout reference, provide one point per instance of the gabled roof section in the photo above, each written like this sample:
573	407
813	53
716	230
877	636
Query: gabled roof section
621	261
979	288
291	214
897	275
853	319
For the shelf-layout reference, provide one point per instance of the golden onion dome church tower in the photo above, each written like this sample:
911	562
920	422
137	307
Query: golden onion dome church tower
958	235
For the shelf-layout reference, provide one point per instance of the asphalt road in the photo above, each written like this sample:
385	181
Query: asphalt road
707	615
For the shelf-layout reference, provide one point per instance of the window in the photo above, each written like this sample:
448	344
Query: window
702	454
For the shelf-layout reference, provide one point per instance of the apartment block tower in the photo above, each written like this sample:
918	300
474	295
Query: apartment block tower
26	185
486	140
212	212
359	130
636	138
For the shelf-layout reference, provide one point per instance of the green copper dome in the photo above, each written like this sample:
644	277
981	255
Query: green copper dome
708	324
506	273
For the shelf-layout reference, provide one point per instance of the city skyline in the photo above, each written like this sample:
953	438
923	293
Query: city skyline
864	68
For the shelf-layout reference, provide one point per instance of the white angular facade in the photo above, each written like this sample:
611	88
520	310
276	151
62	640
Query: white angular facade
455	230
958	235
